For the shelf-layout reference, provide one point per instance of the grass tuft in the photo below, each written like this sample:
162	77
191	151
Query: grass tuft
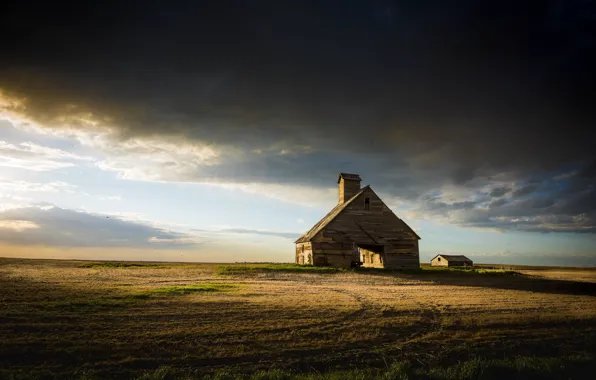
468	270
188	289
520	367
473	369
162	373
116	264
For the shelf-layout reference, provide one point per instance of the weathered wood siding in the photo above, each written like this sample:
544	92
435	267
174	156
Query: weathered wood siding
336	254
377	225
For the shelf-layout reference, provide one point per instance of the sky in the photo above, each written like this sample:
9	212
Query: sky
214	131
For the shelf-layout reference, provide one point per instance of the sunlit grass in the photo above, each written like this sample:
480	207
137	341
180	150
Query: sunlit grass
468	270
189	289
117	264
288	268
102	303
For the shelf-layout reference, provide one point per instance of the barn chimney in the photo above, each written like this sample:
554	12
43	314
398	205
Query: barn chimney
349	185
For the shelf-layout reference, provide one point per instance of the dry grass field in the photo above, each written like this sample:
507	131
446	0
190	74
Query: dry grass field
75	319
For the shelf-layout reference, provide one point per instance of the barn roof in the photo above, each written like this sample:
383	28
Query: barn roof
328	218
348	176
452	257
334	213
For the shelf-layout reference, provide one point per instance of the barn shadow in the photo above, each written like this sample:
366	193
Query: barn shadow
515	281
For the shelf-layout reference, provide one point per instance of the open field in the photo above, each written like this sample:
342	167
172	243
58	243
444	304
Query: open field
74	319
554	273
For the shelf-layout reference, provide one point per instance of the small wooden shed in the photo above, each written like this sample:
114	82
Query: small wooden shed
451	261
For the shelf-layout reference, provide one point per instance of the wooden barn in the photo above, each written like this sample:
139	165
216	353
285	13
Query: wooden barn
451	261
360	230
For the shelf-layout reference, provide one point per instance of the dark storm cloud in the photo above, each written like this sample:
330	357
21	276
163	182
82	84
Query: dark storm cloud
412	94
54	226
499	191
497	203
562	211
436	206
524	191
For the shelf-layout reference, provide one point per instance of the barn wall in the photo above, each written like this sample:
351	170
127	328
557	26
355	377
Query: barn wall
402	261
377	225
459	263
436	263
339	255
337	261
402	254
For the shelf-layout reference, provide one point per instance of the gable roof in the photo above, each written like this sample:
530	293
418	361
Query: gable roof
337	210
391	211
348	176
329	217
452	257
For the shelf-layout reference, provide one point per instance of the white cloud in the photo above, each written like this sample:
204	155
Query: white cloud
167	158
179	240
18	225
30	156
11	197
123	215
111	198
303	195
49	225
164	158
12	201
248	231
17	186
152	159
567	175
47	151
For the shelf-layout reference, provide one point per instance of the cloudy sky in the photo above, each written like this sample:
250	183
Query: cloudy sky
215	130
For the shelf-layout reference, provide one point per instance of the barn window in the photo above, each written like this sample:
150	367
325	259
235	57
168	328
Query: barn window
367	203
303	248
439	259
